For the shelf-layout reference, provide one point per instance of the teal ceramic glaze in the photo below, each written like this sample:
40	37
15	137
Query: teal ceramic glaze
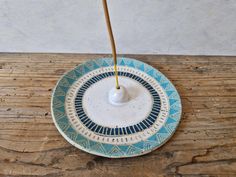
71	119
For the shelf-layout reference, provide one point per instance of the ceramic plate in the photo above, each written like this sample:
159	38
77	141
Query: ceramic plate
83	115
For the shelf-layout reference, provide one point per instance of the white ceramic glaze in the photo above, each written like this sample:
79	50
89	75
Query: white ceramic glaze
97	105
119	96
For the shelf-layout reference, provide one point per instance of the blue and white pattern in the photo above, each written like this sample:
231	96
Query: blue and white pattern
102	146
146	123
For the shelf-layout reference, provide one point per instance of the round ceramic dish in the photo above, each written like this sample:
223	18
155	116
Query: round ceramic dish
84	116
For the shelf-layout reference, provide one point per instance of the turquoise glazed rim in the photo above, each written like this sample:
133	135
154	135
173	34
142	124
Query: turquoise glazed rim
66	129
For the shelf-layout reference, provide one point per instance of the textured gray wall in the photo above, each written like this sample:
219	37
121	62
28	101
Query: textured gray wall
205	27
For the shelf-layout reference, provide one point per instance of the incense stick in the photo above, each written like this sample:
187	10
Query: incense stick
113	46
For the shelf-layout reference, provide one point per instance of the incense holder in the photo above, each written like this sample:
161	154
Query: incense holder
94	116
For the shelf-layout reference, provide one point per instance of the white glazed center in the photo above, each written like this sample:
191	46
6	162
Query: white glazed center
98	108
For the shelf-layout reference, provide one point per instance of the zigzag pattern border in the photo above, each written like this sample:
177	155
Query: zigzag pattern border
108	150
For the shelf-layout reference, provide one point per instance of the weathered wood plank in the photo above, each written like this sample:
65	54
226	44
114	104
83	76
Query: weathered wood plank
203	145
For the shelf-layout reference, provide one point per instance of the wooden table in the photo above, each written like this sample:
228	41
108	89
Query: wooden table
204	143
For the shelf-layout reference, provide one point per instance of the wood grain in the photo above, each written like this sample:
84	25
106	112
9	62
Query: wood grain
203	145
